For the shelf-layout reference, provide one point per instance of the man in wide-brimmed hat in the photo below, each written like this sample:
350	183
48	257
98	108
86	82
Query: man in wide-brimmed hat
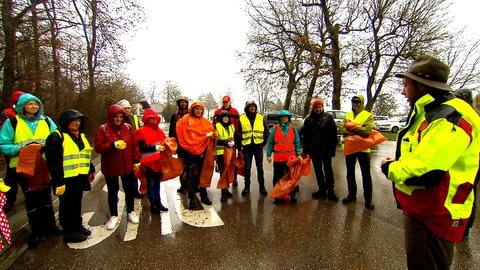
435	165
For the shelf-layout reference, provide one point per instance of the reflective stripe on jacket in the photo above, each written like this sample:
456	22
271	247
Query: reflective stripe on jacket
284	145
23	136
151	137
250	133
438	160
223	134
75	162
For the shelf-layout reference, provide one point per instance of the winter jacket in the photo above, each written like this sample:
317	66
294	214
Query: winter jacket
283	142
359	116
54	150
436	162
8	133
116	162
319	134
148	137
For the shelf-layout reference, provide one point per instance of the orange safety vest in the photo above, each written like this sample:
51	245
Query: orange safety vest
283	146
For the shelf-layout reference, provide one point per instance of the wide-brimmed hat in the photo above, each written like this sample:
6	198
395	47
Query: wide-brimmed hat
429	71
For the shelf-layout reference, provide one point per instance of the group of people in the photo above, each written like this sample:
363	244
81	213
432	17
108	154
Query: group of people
42	157
434	172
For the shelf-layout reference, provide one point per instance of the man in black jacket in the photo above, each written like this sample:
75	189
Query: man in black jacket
319	140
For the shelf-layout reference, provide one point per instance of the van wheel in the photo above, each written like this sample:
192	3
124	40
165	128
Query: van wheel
394	129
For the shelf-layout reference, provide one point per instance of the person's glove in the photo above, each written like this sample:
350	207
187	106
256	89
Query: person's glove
3	187
231	143
159	147
60	190
120	144
269	159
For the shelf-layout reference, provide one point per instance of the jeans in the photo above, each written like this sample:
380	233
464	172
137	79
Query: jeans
153	186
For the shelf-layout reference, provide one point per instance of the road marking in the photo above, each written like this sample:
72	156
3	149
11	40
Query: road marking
132	229
207	217
100	232
165	221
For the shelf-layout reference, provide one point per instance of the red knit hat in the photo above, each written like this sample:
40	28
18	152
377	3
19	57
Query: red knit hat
14	98
317	102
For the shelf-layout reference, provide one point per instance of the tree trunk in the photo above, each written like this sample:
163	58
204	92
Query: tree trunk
9	28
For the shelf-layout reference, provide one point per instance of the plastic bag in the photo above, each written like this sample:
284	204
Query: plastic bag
27	158
357	143
228	173
171	165
297	168
240	164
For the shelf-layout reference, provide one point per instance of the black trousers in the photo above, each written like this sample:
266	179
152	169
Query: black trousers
38	204
364	161
194	164
113	188
323	171
70	208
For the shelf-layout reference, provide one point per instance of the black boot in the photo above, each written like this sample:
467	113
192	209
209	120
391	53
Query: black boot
331	196
224	195
203	196
191	204
154	209
161	207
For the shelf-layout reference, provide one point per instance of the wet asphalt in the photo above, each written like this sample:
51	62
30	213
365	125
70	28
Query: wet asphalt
254	233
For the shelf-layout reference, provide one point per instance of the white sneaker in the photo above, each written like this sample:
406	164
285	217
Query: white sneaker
132	217
112	223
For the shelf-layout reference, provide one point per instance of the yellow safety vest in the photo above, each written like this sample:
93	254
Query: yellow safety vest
223	134
361	118
23	136
75	162
135	121
250	133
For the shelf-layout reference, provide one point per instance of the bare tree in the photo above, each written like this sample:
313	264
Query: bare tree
12	18
399	30
280	46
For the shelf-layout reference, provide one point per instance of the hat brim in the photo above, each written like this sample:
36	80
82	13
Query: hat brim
434	84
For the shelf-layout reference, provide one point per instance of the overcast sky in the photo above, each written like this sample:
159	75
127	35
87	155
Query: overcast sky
193	44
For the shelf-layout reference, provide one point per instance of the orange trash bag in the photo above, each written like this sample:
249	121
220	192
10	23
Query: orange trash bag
357	143
240	164
27	157
139	171
297	168
228	173
171	166
208	165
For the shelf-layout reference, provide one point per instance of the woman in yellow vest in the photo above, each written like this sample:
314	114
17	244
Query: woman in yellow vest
30	126
68	156
226	134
